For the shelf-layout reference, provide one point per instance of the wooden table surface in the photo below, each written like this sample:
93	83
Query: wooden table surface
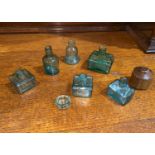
34	111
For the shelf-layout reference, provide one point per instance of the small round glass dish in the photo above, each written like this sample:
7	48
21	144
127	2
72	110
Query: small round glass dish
63	102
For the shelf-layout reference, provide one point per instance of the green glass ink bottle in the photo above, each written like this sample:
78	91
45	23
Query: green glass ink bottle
82	85
120	91
72	53
50	62
100	61
23	80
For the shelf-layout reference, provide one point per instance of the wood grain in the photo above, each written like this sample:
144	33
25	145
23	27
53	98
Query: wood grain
34	111
61	27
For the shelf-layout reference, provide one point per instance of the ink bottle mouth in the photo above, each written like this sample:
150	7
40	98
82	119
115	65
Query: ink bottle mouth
102	48
123	82
20	74
71	42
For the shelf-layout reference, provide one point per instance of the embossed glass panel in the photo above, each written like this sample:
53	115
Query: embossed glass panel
100	61
72	53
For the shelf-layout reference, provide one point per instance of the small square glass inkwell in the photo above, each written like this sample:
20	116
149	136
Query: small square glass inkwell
120	91
100	61
82	85
23	80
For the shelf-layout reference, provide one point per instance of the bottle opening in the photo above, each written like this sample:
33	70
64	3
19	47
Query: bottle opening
102	48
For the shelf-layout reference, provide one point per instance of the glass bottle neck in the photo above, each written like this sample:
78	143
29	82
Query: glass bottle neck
123	82
83	79
48	51
71	43
20	74
102	49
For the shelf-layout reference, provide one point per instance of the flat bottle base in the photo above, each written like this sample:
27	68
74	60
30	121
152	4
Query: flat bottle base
72	61
52	73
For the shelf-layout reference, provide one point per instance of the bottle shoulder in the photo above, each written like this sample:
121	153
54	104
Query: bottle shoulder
101	56
53	57
71	48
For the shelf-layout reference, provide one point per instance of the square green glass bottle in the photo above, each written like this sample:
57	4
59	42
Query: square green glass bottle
120	91
100	61
50	62
22	80
82	85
